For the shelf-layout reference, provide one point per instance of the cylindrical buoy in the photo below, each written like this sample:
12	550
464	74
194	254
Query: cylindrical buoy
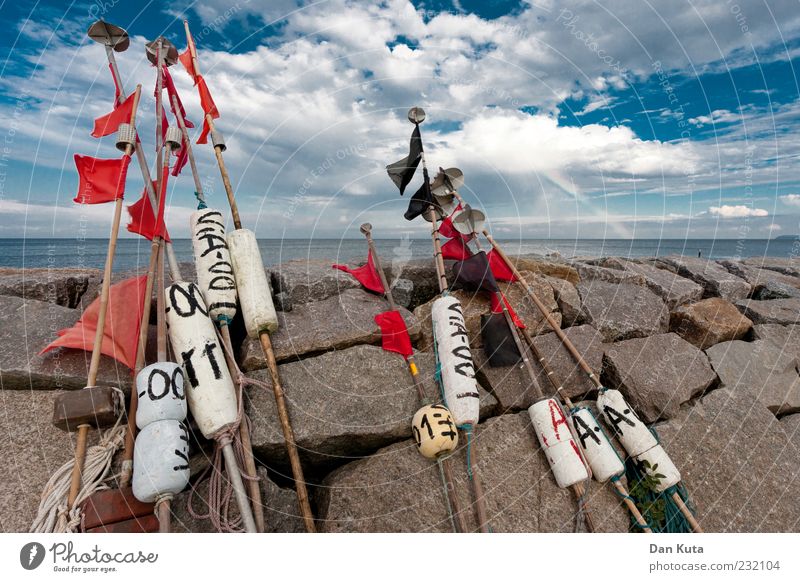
434	431
597	448
160	460
210	391
550	424
659	463
255	296
161	393
455	358
632	433
213	263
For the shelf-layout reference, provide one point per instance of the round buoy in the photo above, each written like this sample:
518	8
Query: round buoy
434	431
161	393
160	460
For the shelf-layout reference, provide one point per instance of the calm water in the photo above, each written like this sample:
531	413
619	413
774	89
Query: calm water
135	252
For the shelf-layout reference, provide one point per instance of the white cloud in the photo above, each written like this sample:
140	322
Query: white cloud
737	211
716	116
790	199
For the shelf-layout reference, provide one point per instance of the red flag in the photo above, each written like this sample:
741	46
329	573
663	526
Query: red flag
498	308
109	123
446	228
209	108
143	221
101	180
456	249
186	60
366	275
121	329
500	270
181	157
173	92
394	334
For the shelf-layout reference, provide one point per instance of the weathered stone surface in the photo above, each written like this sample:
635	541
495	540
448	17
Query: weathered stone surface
715	279
419	273
403	292
761	369
334	323
767	284
787	266
546	266
343	404
306	280
785	337
60	286
281	512
791	426
739	466
26	327
780	311
31	449
568	300
709	322
396	490
598	273
657	374
622	311
673	289
477	304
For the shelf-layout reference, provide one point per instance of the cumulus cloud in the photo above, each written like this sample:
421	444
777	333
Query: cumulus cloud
716	116
736	211
790	199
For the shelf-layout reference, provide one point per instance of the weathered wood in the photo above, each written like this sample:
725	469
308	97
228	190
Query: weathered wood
98	406
146	524
111	506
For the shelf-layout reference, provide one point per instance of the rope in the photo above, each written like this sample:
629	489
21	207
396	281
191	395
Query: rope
201	201
580	515
53	515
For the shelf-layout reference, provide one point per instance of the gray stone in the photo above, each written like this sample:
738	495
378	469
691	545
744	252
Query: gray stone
306	280
788	266
597	273
622	311
31	450
780	311
767	284
416	279
343	404
709	322
761	369
785	337
281	511
403	292
26	327
334	323
63	287
657	374
791	426
283	301
568	300
397	490
673	289
549	266
715	279
739	467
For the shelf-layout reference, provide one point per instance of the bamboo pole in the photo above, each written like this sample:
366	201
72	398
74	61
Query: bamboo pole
83	430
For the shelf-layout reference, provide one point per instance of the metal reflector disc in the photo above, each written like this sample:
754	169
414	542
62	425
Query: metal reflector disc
109	35
416	115
170	53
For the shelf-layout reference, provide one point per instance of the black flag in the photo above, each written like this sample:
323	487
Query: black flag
401	172
474	274
498	343
419	202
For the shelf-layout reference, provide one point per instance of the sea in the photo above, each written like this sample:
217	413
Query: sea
133	253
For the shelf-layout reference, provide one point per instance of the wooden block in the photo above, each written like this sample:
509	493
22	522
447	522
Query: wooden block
113	505
147	524
99	407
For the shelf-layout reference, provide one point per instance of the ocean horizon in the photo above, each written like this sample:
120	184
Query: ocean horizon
132	253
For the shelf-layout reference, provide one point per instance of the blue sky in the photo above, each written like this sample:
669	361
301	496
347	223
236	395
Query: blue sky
576	118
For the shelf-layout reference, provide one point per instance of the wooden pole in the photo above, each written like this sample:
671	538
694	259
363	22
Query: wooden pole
198	185
94	366
687	513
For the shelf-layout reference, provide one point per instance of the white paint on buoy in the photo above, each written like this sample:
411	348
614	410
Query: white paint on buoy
552	430
160	460
434	431
255	295
213	263
161	391
597	448
632	433
455	358
659	463
209	391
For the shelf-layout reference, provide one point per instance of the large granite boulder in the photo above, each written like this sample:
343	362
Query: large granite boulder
305	280
761	369
767	284
785	337
787	266
709	322
622	311
63	287
546	266
414	281
589	272
568	300
657	374
715	279
673	289
739	466
343	404
780	311
397	490
334	323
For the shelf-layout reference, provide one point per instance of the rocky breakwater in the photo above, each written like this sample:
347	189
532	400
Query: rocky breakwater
707	352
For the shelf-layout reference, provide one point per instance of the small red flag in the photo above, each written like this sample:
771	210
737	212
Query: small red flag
366	275
143	221
446	228
101	180
498	308
173	92
456	249
109	123
209	108
121	329
186	60
500	270
394	333
181	157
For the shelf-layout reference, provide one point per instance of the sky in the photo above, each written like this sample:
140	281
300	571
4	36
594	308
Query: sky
576	118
